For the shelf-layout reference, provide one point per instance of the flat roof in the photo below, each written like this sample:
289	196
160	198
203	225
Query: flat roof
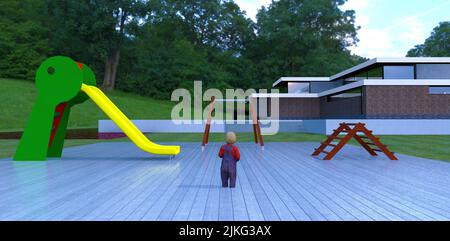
402	60
357	84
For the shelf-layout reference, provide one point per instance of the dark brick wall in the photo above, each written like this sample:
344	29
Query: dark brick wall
384	102
405	102
345	108
299	108
319	108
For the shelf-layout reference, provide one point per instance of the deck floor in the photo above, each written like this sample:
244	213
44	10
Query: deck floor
116	181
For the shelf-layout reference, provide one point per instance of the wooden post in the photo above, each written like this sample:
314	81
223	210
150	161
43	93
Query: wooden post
255	134
256	127
208	122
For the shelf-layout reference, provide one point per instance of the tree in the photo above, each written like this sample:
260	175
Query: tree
303	37
218	24
186	41
152	47
437	45
23	42
94	31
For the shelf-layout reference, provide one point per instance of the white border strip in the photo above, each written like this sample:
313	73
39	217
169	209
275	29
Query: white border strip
301	79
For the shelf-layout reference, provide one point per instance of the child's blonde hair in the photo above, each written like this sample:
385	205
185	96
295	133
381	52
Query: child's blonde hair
231	138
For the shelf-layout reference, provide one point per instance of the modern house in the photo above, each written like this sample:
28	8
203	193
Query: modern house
394	95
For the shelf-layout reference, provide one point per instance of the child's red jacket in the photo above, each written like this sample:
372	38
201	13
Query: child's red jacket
235	152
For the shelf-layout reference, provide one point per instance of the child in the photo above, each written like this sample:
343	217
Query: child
230	156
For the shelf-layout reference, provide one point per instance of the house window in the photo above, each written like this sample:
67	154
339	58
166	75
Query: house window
376	73
361	76
349	79
399	72
439	90
298	88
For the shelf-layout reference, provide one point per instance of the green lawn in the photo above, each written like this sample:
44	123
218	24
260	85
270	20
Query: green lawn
17	98
432	147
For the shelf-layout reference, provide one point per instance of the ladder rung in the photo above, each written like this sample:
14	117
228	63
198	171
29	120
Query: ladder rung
370	143
333	145
326	152
363	137
377	150
348	131
324	143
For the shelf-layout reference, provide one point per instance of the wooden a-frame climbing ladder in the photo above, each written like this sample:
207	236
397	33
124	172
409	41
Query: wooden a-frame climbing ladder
370	142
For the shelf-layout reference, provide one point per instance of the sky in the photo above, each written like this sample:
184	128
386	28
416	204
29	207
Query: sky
389	28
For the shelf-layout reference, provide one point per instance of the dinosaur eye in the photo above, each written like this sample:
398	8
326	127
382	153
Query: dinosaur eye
51	70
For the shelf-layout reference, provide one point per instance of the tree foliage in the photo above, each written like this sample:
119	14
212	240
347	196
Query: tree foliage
437	45
23	42
302	37
152	47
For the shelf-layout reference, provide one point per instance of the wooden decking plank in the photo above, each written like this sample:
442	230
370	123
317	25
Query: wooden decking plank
313	191
264	202
62	205
211	212
434	200
127	193
240	212
404	198
185	208
422	175
92	200
438	203
45	210
397	207
273	195
149	193
32	175
295	208
253	208
36	195
198	206
226	205
318	166
158	201
360	202
407	179
181	202
341	207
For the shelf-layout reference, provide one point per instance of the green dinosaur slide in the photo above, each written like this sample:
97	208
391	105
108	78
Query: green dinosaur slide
61	85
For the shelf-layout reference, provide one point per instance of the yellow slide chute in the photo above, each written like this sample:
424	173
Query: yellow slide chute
125	124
